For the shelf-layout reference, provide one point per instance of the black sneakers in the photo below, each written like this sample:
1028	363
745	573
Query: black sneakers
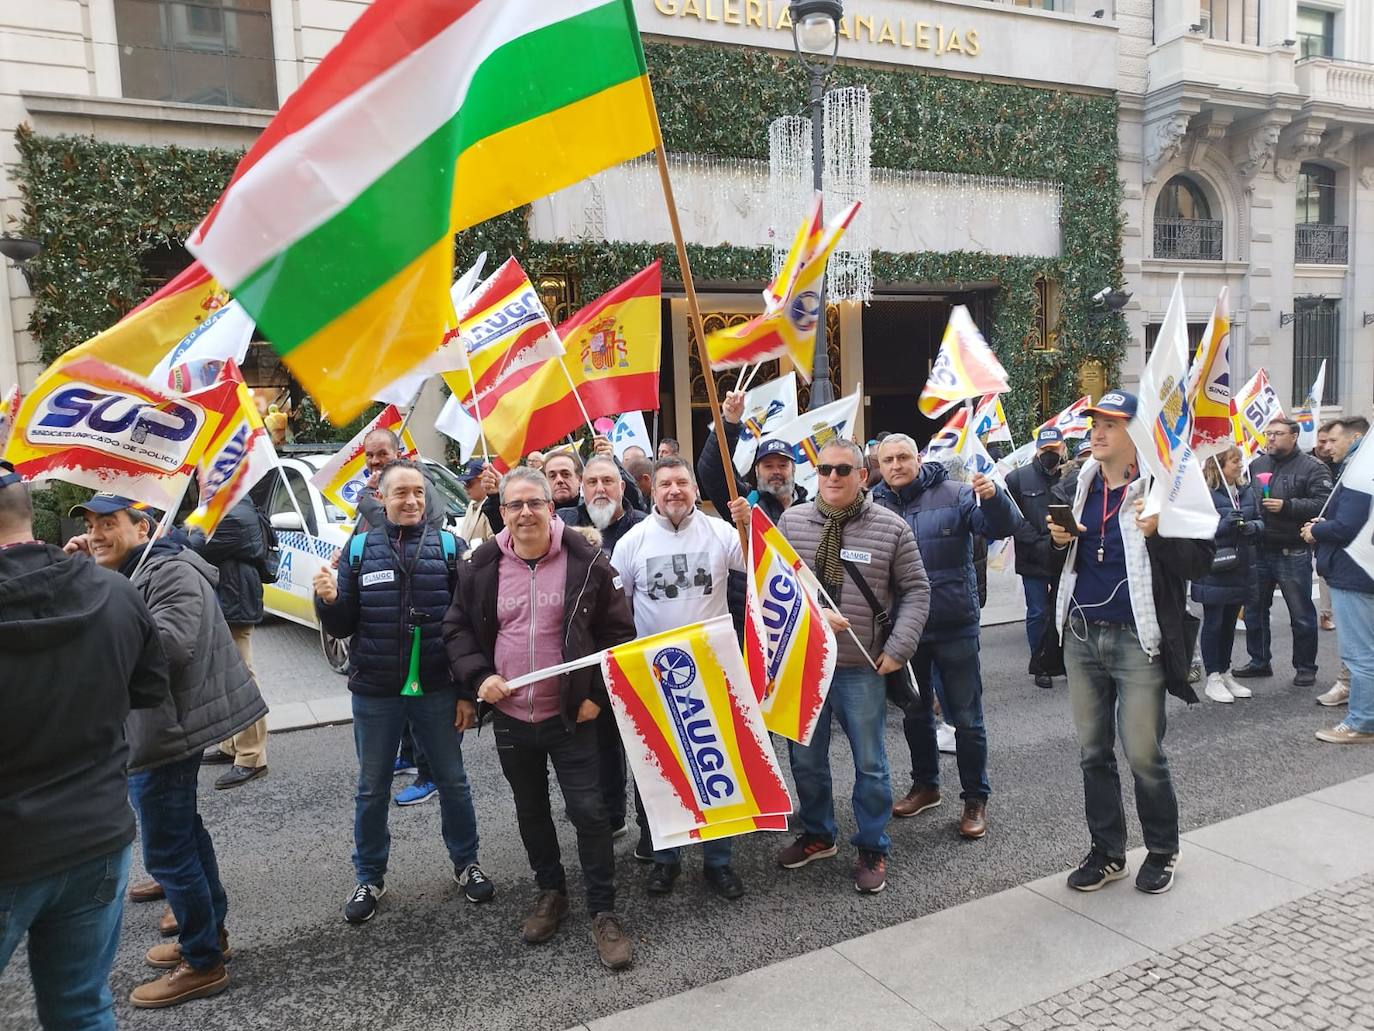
362	907
644	848
1096	870
1156	874
477	887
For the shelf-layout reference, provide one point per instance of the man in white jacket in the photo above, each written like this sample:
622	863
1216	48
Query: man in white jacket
675	564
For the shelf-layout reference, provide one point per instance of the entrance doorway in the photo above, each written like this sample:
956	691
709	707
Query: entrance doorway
901	337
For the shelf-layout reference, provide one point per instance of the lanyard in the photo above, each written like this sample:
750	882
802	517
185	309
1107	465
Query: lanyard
1108	516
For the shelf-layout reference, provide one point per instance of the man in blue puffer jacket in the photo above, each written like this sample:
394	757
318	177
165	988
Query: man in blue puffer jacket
945	516
1345	557
391	599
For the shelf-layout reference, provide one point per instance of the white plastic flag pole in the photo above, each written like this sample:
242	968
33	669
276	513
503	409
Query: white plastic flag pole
477	410
580	406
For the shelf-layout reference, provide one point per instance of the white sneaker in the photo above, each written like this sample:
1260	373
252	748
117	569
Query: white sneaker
1237	689
1216	689
1338	695
944	738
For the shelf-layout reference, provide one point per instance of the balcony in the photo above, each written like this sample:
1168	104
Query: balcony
1327	80
1189	239
1321	244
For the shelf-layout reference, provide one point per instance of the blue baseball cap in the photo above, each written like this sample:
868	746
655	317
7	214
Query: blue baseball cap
774	447
1049	435
471	469
106	504
1115	403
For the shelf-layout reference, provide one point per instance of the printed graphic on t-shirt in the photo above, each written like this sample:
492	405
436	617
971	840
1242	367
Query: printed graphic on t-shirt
673	577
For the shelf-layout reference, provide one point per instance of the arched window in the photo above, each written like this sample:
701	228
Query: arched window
1184	227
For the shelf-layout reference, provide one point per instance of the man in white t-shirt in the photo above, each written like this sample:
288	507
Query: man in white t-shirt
674	565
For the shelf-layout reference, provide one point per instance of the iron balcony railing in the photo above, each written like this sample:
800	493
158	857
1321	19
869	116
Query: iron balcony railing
1195	239
1318	244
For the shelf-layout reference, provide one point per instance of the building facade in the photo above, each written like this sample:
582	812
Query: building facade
1024	155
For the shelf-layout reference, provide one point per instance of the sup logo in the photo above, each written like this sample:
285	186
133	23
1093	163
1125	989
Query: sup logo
353	490
677	676
124	425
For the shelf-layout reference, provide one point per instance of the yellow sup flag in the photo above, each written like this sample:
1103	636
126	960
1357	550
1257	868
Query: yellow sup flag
694	735
964	368
344	477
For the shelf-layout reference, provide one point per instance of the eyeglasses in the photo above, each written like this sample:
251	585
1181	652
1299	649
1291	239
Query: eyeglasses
843	469
516	507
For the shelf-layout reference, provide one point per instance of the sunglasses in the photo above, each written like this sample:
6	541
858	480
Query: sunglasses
534	505
843	469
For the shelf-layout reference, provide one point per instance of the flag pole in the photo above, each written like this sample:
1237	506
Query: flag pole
477	410
580	406
161	528
693	305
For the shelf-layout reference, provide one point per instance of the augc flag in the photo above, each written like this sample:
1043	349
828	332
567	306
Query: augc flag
1209	384
694	735
240	455
964	368
789	647
344	477
505	329
990	420
1309	414
96	425
950	436
336	231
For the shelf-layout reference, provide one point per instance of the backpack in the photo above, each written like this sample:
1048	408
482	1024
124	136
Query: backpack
448	541
269	563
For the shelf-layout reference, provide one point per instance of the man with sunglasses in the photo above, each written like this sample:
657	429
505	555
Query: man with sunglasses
539	595
841	535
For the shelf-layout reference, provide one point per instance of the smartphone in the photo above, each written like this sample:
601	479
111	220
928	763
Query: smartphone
1063	517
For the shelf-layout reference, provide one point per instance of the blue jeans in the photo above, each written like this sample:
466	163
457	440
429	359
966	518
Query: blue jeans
858	700
1218	636
715	852
1037	591
1290	569
1354	612
1113	683
72	919
961	699
377	724
179	855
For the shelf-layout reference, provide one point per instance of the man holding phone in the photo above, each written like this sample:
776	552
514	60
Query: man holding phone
1122	619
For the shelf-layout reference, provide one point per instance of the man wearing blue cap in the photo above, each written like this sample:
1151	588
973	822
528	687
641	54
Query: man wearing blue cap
1126	635
1030	487
474	527
774	471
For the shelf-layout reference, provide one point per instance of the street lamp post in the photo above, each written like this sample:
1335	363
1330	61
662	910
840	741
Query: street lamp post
816	39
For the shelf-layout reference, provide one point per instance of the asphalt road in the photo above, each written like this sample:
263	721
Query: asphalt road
430	959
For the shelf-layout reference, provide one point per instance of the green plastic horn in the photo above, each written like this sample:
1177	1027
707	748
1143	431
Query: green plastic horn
412	688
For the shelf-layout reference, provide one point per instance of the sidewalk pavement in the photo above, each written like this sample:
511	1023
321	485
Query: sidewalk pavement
1270	924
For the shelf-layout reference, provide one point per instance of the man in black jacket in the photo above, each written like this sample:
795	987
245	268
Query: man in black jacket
392	605
773	475
1030	488
80	650
1127	642
539	595
1293	487
238	550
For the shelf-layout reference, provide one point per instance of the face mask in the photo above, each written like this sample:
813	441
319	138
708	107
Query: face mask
1049	461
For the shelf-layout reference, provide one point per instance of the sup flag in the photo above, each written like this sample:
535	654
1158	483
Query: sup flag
964	368
1309	414
1163	434
789	647
950	436
9	411
1071	422
344	477
792	302
93	424
240	455
811	431
1253	408
766	407
1209	384
505	329
694	735
990	420
336	231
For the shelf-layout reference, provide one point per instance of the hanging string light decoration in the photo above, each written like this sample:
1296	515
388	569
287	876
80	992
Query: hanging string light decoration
847	178
789	181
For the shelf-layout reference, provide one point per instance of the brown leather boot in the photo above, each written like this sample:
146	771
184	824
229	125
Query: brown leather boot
146	891
179	985
920	798
974	823
167	925
612	946
549	910
168	955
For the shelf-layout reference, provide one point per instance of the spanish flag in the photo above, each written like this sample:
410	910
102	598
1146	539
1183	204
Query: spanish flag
336	232
613	347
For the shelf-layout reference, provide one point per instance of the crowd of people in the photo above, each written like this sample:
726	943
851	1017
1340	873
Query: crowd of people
129	664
